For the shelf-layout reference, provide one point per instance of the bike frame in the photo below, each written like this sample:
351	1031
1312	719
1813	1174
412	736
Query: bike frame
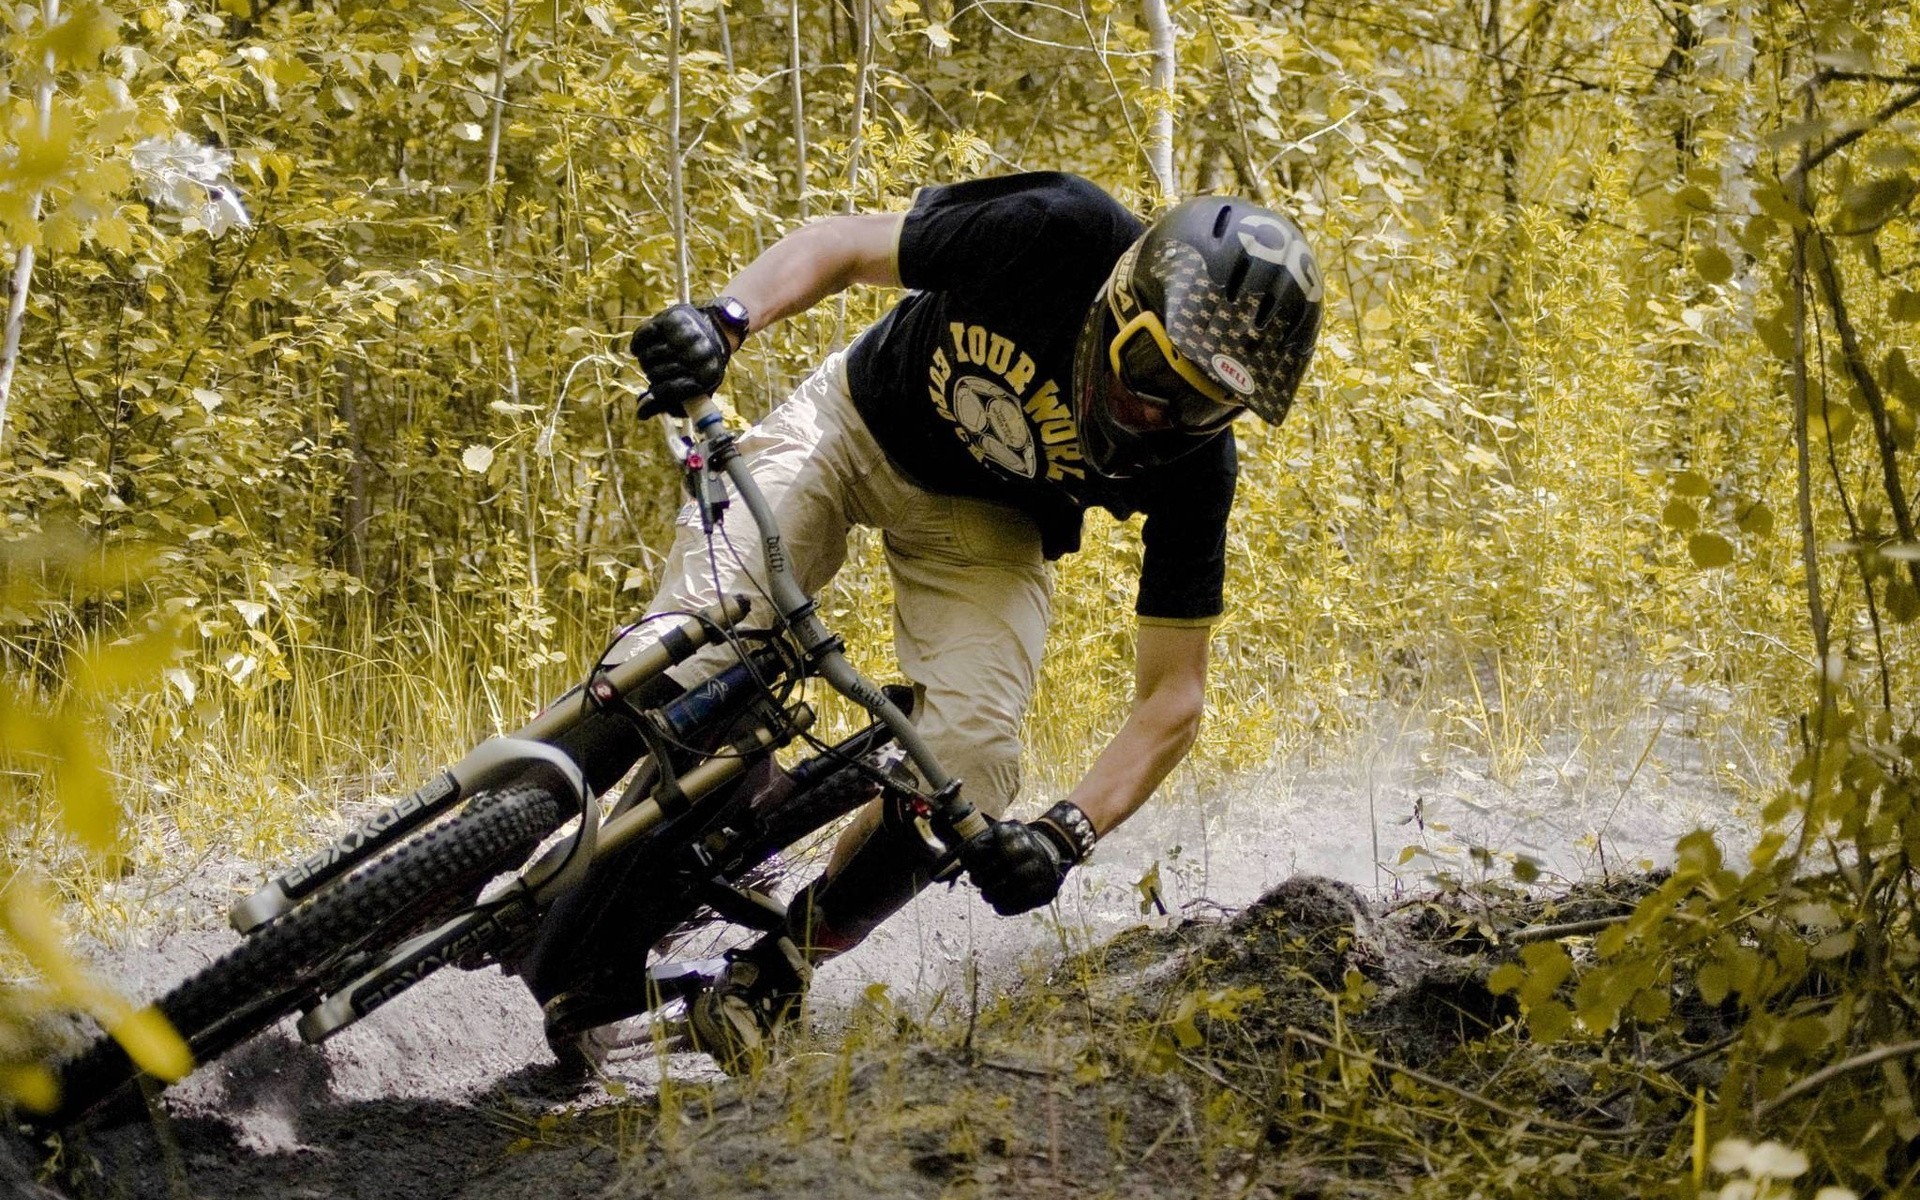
514	911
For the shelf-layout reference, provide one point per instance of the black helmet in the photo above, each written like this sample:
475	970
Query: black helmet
1212	312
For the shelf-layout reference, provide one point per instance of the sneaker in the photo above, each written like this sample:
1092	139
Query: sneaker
736	1020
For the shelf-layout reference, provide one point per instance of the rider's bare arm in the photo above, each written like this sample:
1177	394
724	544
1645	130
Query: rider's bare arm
817	260
1170	678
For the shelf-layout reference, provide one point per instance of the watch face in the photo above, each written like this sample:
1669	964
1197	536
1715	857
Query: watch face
733	313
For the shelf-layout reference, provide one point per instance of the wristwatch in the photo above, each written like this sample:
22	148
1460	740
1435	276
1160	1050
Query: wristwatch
732	314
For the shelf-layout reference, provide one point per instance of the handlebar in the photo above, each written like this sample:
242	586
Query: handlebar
953	818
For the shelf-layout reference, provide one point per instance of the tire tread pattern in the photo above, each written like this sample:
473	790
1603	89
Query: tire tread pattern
492	833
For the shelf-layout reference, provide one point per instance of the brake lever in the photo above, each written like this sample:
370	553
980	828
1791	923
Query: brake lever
955	823
706	488
947	868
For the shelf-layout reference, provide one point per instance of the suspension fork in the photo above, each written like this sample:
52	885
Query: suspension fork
491	763
952	817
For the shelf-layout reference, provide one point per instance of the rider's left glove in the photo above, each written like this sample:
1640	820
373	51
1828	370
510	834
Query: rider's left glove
684	352
1019	866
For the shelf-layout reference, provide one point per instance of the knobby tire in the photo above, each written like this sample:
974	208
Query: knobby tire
279	968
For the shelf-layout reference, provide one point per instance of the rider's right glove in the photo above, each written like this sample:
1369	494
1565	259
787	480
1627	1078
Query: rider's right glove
1019	867
684	352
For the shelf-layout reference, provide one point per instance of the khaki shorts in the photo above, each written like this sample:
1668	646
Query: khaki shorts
971	586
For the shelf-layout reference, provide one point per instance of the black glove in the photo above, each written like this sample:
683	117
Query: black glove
1019	867
684	352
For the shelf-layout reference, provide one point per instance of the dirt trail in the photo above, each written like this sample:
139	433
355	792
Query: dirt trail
446	1093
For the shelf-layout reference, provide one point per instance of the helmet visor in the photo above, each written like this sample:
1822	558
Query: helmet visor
1162	390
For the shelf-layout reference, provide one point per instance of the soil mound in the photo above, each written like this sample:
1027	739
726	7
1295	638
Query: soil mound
1160	1063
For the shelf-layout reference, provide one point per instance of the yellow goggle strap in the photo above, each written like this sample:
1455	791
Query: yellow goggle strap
1150	321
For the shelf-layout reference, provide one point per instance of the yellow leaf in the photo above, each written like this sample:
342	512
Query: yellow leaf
1185	1031
29	1085
1867	206
153	1045
1652	1005
111	232
1709	550
79	40
76	486
1757	520
1680	515
1713	264
148	1038
1691	483
61	232
1693	198
42	155
1148	886
290	70
183	682
1830	423
1549	1022
1548	966
131	663
29	923
279	167
1505	978
86	794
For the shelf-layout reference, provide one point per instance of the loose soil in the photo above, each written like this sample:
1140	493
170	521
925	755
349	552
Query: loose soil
954	1054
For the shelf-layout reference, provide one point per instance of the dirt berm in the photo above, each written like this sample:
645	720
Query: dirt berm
1170	1061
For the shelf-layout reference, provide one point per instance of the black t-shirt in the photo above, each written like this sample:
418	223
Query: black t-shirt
966	383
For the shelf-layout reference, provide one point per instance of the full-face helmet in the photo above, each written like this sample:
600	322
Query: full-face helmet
1212	313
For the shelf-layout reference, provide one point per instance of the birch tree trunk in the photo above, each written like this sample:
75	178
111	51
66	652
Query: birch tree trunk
799	109
863	41
23	260
496	221
676	184
348	403
1160	126
856	146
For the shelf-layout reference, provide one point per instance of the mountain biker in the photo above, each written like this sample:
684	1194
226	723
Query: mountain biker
1054	354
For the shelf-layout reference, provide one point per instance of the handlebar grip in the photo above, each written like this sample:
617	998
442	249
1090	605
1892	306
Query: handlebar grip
652	406
948	867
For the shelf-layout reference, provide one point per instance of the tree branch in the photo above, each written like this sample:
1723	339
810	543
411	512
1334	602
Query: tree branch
1828	274
1886	113
1833	1071
1472	1097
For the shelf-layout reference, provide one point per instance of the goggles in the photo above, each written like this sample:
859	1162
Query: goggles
1160	390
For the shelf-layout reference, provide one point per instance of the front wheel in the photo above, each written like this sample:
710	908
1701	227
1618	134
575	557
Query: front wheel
281	967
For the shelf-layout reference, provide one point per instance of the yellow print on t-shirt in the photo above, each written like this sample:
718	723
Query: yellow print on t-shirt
985	390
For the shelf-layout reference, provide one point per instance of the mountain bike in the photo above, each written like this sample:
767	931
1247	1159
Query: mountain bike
464	870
